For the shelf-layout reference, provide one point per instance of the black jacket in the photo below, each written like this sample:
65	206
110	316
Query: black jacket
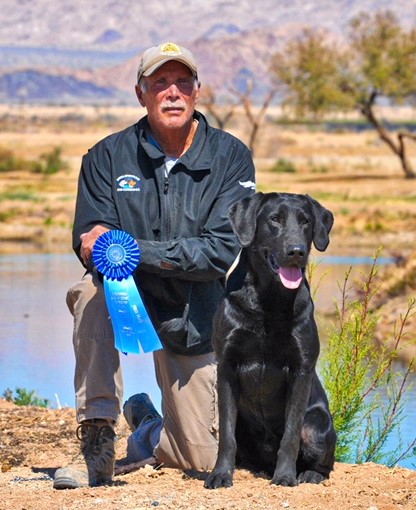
180	222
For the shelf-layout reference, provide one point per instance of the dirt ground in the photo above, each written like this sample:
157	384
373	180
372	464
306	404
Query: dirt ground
34	442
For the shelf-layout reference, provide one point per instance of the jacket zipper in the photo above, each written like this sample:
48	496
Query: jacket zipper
166	210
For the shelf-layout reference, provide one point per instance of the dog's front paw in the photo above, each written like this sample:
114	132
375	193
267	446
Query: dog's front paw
286	478
310	477
219	479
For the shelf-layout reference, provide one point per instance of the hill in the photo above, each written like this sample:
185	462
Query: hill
100	42
44	87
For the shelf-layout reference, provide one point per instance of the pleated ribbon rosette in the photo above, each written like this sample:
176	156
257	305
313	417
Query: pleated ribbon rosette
116	255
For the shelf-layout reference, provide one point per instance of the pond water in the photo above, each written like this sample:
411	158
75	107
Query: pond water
36	330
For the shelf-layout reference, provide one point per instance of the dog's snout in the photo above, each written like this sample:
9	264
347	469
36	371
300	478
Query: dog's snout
296	251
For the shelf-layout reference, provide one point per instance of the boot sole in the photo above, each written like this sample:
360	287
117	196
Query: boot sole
67	483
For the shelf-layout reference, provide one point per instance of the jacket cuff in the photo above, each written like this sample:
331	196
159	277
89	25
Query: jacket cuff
153	256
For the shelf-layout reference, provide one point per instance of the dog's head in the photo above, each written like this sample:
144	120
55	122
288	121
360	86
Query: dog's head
280	229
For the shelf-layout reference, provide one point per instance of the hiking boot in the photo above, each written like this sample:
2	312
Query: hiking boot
94	465
139	409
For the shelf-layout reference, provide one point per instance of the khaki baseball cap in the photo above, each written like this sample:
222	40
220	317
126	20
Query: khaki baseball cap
156	56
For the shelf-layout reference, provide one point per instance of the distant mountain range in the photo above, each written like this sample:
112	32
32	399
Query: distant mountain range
88	50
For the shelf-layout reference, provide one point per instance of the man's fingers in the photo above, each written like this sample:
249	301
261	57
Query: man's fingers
88	240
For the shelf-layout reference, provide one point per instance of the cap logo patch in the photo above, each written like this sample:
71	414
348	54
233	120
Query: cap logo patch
170	49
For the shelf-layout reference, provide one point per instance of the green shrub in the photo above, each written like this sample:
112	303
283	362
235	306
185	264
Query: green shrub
357	373
50	162
9	162
20	195
25	398
283	166
319	168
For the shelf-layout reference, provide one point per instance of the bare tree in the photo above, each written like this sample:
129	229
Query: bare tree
255	115
222	114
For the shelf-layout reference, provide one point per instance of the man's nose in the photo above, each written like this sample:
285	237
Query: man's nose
173	90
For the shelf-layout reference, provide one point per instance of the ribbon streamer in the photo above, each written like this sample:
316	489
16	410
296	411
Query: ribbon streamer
116	255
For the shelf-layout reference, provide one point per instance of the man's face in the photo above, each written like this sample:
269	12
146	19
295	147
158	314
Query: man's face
169	95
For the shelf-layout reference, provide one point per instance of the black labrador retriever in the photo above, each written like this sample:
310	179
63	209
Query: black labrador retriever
273	411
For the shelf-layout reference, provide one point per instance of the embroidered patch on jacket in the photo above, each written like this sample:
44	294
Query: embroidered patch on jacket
248	184
128	183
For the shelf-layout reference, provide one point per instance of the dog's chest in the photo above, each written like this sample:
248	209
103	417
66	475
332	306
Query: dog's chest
264	354
271	343
262	383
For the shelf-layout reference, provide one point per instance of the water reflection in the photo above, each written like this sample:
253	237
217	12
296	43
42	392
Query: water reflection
36	329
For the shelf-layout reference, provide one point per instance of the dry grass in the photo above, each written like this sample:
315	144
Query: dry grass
353	174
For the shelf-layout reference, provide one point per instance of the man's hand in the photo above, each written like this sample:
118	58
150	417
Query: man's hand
88	240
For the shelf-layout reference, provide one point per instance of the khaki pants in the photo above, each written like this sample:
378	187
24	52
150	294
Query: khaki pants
188	438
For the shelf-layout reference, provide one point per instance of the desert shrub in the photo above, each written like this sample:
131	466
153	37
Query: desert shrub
319	168
6	160
9	162
24	397
408	280
75	118
20	195
50	162
357	374
283	166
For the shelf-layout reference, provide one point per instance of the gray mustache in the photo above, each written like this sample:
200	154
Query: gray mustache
176	105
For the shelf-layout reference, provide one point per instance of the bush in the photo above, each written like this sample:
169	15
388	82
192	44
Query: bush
283	166
25	398
9	162
356	373
50	162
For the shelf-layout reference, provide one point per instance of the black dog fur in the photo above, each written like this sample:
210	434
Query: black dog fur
273	411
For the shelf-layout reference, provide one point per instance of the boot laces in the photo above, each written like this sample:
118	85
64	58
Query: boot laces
92	438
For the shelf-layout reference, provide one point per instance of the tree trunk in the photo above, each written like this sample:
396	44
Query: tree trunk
406	164
398	148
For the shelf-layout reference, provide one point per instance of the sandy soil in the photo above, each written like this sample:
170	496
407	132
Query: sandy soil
35	441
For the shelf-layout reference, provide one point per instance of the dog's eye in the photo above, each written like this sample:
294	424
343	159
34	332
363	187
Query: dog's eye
277	218
304	221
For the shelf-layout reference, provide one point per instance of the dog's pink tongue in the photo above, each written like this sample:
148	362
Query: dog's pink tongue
291	277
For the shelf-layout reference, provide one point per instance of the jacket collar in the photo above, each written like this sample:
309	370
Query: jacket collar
197	157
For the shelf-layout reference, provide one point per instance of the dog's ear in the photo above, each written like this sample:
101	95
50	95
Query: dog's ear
243	218
323	220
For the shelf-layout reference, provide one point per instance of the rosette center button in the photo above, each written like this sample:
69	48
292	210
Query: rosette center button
116	254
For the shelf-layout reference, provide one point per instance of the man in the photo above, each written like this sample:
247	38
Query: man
168	181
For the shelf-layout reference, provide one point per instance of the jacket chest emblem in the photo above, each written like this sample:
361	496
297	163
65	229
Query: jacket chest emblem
128	183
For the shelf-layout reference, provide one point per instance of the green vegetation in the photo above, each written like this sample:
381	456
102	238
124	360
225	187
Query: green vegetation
283	166
318	168
24	397
366	392
49	163
9	162
321	77
20	195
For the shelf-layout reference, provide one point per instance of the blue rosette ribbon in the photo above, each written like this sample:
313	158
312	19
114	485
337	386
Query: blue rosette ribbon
116	255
